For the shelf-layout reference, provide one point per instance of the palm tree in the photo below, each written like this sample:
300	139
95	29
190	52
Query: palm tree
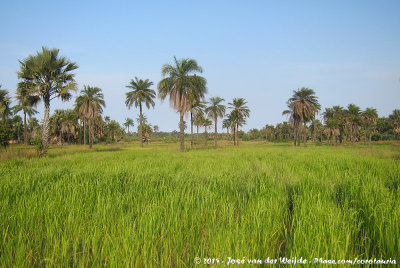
226	123
196	108
5	101
26	103
215	110
90	104
51	77
237	121
128	123
241	111
353	120
369	118
303	105
55	125
141	93
198	122
69	124
156	129
269	131
207	123
394	119
183	86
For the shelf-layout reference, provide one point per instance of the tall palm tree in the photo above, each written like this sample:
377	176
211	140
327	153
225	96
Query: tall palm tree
128	123
141	93
183	87
90	104
26	103
215	110
52	77
241	111
303	105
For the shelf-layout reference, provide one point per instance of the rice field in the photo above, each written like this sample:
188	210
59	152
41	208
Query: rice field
127	206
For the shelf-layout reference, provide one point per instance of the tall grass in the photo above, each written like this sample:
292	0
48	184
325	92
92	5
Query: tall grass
157	207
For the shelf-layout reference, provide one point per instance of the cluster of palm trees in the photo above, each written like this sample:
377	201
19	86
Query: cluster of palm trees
47	75
351	124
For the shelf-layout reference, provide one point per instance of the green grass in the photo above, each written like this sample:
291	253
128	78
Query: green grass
126	206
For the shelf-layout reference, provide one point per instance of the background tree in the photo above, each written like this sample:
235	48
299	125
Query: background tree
369	118
156	129
51	76
303	106
183	87
269	131
90	104
5	112
228	124
240	112
26	103
352	121
394	119
55	125
215	110
207	123
128	123
69	125
141	93
196	109
5	102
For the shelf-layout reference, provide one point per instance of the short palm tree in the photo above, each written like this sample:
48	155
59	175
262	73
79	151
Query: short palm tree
90	104
141	93
26	103
183	87
303	105
128	123
241	111
51	76
215	110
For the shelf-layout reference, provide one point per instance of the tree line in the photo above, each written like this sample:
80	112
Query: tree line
47	75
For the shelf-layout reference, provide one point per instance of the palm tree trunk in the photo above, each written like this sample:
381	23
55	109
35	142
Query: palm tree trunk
205	135
191	129
234	135
25	131
237	134
140	127
295	135
59	137
182	132
90	132
46	126
197	134
216	132
84	132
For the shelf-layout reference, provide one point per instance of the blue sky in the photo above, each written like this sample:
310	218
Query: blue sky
347	51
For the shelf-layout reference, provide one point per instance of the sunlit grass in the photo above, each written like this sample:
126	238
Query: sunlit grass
122	205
